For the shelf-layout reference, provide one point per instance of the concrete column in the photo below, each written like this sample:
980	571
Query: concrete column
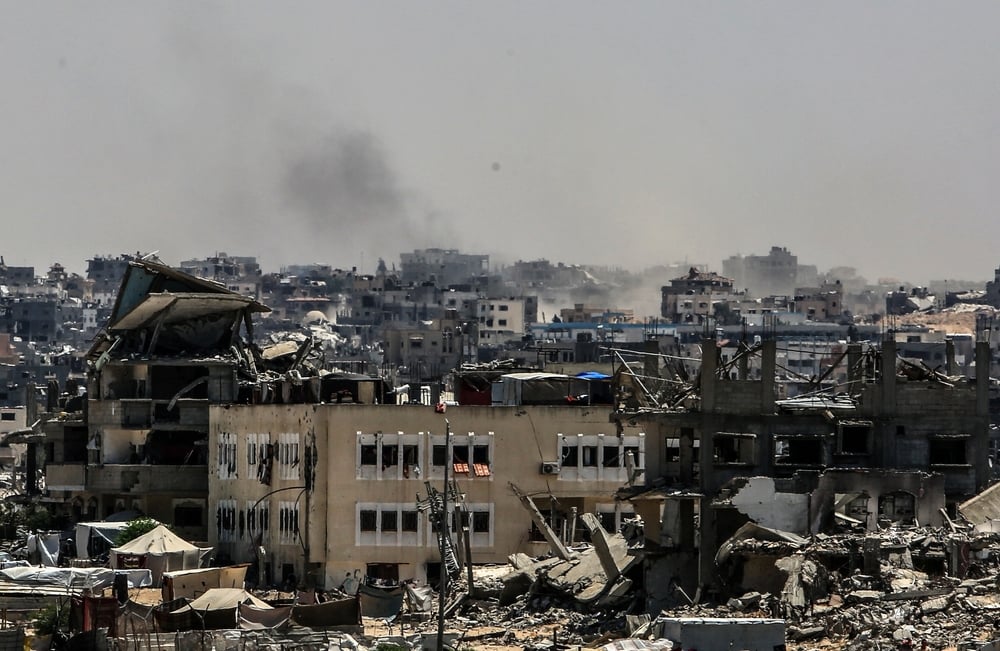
599	538
888	379
982	433
706	522
686	538
707	546
744	362
687	456
949	356
983	378
768	353
709	366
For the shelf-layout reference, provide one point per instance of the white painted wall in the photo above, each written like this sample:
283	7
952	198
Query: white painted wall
759	501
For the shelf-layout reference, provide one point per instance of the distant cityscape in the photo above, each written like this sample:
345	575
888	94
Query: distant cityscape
420	317
300	423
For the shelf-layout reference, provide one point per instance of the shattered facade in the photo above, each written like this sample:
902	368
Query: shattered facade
896	443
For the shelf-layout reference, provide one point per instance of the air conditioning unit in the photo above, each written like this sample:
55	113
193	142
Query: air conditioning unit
550	468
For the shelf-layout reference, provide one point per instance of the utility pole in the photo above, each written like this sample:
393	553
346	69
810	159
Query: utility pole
442	532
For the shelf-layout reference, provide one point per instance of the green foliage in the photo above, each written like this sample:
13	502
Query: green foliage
51	619
134	529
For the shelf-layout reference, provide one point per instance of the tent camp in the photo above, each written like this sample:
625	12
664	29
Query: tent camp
159	551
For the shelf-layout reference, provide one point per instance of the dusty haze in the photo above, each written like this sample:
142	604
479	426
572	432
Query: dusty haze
627	134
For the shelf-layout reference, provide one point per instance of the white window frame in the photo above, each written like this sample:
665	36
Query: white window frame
227	463
289	456
397	538
479	539
398	471
619	473
252	456
228	535
261	510
288	533
468	441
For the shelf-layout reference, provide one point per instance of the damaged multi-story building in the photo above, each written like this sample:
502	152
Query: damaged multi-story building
896	442
173	345
313	474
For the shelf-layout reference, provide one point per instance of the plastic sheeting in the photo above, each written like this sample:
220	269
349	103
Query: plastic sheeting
46	545
380	602
93	538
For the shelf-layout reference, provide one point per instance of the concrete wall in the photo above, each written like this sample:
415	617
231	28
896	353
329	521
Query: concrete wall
521	438
760	502
927	489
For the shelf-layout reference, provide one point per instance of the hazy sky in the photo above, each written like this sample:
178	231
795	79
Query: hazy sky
861	133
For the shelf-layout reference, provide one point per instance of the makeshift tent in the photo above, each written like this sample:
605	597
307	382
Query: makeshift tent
95	538
380	602
46	547
30	588
159	551
218	608
342	614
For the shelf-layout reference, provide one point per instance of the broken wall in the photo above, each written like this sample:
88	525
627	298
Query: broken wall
760	501
927	489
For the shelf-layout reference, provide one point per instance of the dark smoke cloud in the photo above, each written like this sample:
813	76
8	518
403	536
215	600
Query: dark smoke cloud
343	185
345	180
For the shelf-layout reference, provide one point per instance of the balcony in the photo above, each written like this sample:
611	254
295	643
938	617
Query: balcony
145	479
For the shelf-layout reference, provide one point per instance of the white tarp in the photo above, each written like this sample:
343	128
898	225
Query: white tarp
65	580
46	545
104	531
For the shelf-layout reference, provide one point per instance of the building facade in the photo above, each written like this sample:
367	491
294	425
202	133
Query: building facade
335	490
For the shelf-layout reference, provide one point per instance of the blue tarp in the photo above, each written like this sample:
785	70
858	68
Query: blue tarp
592	375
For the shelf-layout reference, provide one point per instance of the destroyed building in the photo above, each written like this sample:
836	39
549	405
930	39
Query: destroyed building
896	443
173	345
305	473
692	298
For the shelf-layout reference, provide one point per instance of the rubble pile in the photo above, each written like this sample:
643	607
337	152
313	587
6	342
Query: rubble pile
898	587
895	588
539	603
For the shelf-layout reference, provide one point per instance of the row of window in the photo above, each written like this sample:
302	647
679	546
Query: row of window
234	524
601	457
260	453
403	525
403	456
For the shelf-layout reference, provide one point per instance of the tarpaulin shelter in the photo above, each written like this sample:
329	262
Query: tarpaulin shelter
218	608
95	538
159	551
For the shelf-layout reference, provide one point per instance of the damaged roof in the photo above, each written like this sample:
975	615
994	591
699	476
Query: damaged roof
144	277
175	308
